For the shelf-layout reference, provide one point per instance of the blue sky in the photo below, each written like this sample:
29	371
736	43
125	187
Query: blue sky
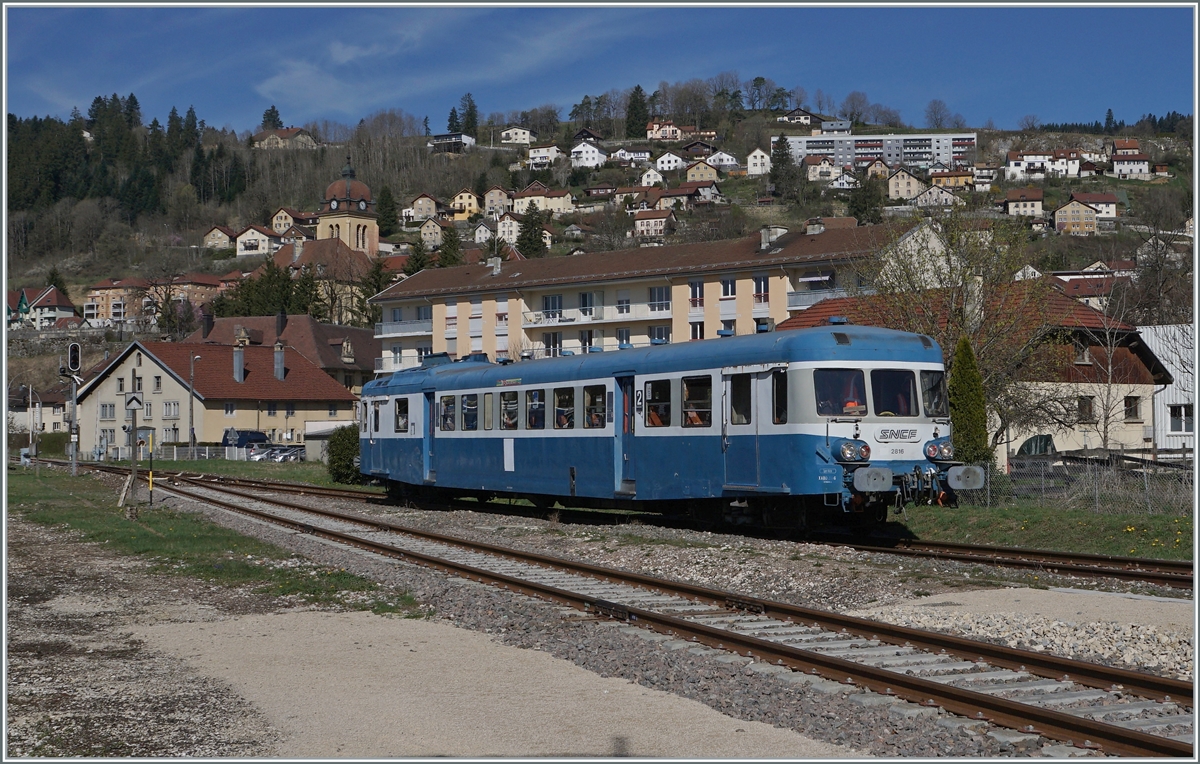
343	63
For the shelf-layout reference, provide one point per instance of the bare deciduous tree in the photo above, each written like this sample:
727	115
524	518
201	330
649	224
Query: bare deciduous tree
1028	122
937	114
854	106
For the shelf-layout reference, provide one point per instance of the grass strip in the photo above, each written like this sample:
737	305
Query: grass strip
186	544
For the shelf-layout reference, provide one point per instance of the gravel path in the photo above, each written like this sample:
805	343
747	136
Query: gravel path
762	705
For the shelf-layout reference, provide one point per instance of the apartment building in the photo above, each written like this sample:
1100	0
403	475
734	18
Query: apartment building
1075	218
920	150
608	300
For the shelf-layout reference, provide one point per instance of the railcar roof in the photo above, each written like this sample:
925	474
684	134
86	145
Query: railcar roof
866	343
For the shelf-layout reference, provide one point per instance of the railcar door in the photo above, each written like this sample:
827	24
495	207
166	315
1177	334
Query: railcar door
430	417
625	424
376	441
739	428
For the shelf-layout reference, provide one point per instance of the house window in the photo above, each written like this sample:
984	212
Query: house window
290	410
623	337
333	409
729	326
1083	354
396	314
697	330
137	384
762	290
424	312
660	298
552	343
148	410
1181	418
109	410
158	384
120	384
696	288
1087	409
170	409
587	303
272	409
662	333
230	408
552	306
728	287
587	338
1133	408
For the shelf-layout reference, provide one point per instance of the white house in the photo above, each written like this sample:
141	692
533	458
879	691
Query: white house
1104	204
722	160
543	156
1174	406
484	231
844	181
1130	165
670	161
586	154
1029	165
257	241
758	163
936	196
636	156
518	135
651	177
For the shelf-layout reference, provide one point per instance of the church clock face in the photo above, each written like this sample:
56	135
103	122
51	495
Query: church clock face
362	205
333	204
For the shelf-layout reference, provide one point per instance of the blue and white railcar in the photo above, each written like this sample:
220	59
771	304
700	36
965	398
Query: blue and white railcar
770	427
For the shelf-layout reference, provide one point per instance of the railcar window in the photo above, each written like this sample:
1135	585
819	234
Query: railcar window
894	392
375	413
779	396
840	392
448	412
363	422
564	408
487	411
740	401
593	406
535	409
697	401
933	393
402	415
470	412
508	411
658	403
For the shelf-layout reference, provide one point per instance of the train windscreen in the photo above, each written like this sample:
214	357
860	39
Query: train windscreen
840	392
894	392
934	395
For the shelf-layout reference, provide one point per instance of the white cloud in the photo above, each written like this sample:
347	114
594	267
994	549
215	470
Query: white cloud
304	88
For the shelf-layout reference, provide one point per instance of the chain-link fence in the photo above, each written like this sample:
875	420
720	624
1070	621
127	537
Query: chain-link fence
1108	482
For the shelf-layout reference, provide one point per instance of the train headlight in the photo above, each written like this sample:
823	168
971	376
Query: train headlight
946	451
864	452
931	450
849	451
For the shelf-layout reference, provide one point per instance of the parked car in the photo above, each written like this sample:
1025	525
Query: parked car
243	438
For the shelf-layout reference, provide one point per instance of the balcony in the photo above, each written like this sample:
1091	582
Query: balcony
597	314
389	363
803	300
404	328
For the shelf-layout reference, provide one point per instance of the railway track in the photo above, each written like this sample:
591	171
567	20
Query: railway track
1169	573
1081	703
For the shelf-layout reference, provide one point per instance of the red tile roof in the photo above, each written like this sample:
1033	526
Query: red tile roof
1024	195
332	256
320	343
652	214
1093	198
793	247
1125	143
302	381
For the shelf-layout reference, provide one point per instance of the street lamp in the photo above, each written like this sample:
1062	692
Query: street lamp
191	402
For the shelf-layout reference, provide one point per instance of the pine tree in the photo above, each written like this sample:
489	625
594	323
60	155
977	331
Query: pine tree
385	209
271	119
372	283
55	279
305	297
785	175
418	260
450	253
452	123
425	126
470	115
1110	124
637	114
968	408
529	236
866	202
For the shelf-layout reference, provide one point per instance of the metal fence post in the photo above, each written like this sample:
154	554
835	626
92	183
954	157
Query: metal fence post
1096	482
1146	485
988	475
1043	483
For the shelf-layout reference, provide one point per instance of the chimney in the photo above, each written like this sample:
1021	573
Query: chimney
208	325
815	226
297	248
494	264
280	323
765	238
279	370
239	364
